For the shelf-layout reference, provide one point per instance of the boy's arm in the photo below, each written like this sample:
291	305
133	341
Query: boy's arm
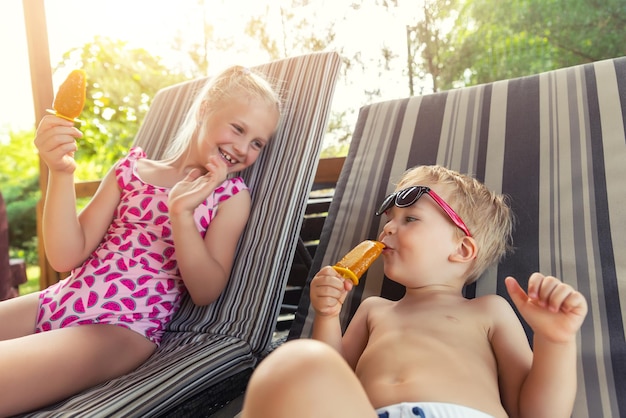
555	312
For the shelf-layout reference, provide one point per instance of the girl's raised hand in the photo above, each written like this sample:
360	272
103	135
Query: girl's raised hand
55	140
191	191
551	308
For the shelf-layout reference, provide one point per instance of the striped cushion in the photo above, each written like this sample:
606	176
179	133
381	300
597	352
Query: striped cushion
555	143
206	345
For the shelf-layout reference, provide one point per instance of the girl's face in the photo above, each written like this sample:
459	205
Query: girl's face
237	130
418	239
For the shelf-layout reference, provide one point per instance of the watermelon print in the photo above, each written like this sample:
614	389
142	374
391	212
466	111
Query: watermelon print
132	278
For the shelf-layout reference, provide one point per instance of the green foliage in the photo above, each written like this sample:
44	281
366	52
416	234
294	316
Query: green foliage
19	177
513	38
431	42
465	42
121	82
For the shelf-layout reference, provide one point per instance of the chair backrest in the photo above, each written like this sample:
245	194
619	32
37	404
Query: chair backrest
554	143
279	182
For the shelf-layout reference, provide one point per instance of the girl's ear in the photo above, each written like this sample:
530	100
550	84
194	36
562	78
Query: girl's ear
466	250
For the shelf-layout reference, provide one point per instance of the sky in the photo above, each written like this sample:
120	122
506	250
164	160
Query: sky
152	25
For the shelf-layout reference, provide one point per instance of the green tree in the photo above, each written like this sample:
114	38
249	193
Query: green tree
121	82
514	38
430	44
19	176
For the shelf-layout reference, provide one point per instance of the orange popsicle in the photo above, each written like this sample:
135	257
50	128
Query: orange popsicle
70	99
358	260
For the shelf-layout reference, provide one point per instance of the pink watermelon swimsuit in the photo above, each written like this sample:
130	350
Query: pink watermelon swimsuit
131	279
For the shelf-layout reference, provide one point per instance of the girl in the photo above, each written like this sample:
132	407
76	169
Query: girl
142	241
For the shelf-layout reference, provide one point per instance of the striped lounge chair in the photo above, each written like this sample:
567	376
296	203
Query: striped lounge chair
555	143
209	352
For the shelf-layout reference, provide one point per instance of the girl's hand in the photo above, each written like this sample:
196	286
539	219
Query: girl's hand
328	292
191	191
55	140
552	308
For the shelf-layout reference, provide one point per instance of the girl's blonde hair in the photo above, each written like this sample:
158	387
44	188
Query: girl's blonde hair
235	81
487	214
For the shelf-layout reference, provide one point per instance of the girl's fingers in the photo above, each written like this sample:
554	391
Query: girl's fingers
193	174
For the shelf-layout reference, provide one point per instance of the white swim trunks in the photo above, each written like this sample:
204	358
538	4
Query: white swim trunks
429	410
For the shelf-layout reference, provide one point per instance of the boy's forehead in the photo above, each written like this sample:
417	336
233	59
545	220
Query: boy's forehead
413	181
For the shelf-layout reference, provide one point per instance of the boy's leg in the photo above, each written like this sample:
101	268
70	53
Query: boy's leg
40	369
18	316
305	378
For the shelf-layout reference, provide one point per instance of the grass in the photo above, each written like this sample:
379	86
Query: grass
32	285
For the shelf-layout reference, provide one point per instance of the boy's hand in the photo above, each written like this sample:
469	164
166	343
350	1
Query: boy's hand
328	292
552	308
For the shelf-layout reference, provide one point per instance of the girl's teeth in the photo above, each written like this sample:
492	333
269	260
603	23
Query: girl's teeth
227	157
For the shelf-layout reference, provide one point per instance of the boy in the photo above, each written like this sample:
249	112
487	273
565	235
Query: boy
433	353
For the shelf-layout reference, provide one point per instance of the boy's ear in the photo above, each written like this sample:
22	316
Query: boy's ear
466	250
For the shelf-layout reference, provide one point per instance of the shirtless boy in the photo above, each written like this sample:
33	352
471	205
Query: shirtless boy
433	353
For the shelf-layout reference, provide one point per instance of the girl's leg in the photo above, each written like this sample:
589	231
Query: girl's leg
305	378
40	369
18	316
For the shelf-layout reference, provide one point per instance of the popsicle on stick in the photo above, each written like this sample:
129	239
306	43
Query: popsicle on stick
358	260
70	99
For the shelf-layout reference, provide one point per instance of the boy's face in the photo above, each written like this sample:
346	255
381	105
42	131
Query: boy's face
419	240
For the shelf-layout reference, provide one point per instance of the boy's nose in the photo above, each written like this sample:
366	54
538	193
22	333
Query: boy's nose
388	229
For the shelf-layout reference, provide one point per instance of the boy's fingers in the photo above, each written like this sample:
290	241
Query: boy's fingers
517	294
557	297
535	283
549	285
576	302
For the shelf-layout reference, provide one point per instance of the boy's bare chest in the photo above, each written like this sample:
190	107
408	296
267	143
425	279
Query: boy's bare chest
412	349
432	325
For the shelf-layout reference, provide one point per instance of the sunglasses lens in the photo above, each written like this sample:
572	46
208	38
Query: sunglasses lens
402	198
407	197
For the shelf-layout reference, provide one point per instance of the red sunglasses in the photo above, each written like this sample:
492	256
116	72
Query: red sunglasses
406	197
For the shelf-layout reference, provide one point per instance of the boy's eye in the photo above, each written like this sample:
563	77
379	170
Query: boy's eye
238	128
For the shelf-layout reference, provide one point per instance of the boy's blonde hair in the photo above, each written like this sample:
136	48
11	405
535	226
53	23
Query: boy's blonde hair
235	81
487	214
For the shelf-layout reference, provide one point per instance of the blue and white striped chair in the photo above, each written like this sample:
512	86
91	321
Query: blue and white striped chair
209	352
555	143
